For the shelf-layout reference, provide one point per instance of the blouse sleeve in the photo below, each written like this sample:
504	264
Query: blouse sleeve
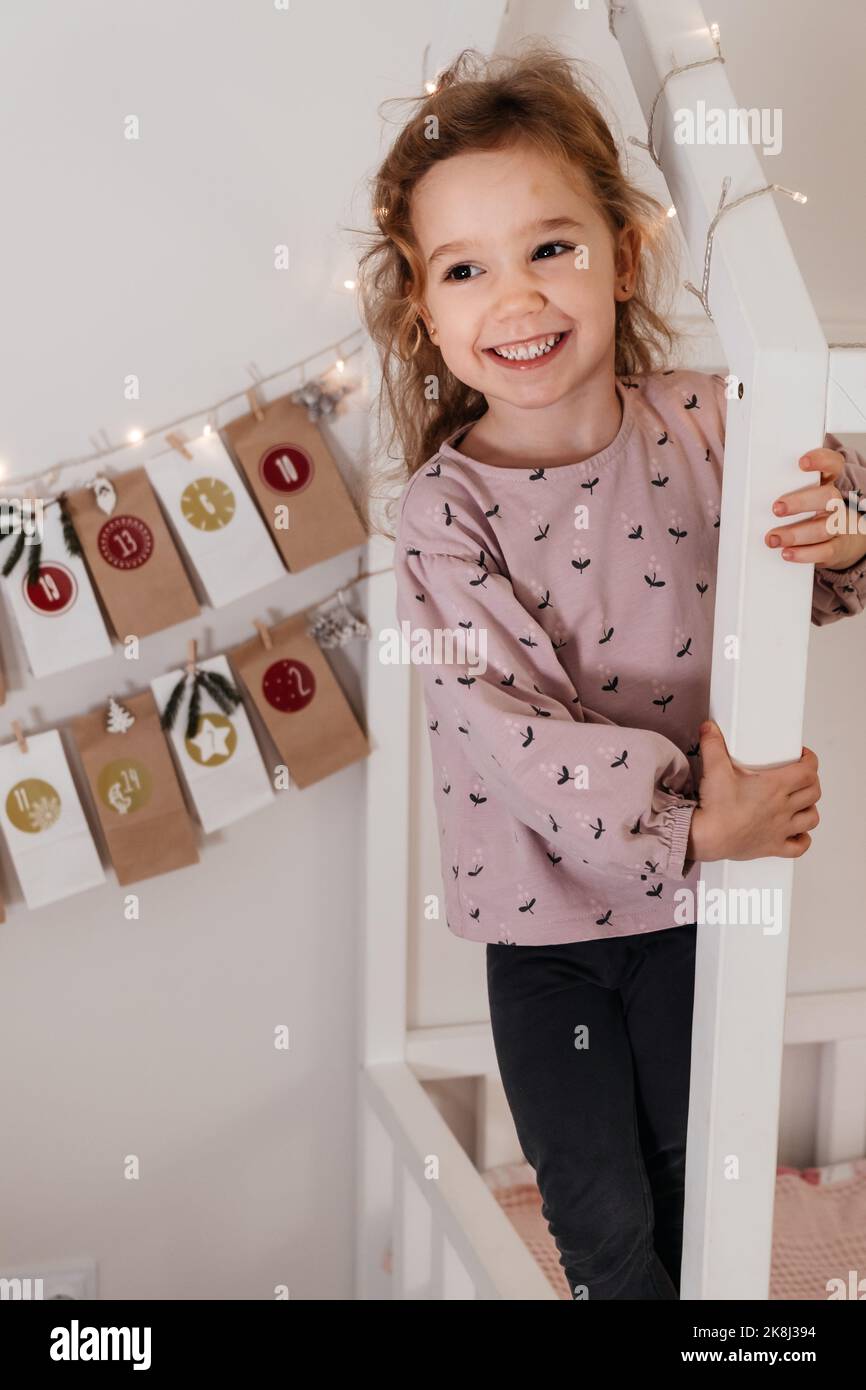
611	796
835	593
842	593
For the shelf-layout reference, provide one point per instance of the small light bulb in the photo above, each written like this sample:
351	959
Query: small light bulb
714	33
348	284
430	88
340	364
207	430
672	212
135	436
4	469
800	198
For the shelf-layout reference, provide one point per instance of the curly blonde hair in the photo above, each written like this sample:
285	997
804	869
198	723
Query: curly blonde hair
486	104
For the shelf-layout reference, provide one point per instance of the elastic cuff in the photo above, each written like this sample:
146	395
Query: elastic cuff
848	585
680	822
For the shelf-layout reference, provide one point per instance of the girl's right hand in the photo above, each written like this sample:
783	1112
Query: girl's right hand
745	814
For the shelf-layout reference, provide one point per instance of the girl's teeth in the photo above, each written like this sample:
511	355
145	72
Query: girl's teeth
524	350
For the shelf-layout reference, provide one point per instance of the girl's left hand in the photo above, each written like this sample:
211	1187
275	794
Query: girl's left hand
810	541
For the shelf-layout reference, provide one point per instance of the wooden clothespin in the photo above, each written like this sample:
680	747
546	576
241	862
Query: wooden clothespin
255	403
263	632
191	656
19	734
177	443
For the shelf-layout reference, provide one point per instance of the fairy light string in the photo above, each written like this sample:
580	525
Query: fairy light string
50	475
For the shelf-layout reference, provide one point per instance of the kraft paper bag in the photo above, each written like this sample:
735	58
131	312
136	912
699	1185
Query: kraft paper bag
58	617
132	558
45	828
136	792
301	702
215	520
221	764
295	480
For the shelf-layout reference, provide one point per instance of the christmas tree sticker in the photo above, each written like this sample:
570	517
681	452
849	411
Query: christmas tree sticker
119	719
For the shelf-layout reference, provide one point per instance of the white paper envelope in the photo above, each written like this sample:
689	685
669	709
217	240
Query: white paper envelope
222	765
58	617
216	520
45	828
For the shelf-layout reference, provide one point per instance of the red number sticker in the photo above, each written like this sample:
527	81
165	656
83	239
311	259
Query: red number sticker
288	685
125	542
54	591
286	468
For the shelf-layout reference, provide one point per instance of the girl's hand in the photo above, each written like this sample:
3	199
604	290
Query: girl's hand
744	814
814	542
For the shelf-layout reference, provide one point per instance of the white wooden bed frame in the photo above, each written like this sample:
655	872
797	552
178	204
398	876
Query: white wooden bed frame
428	1225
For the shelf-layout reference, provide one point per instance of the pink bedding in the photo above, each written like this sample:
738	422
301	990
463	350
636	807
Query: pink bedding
819	1228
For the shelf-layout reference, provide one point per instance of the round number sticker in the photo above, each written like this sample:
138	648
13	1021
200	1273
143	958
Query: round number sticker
288	685
54	591
215	740
286	468
208	504
125	542
33	805
124	784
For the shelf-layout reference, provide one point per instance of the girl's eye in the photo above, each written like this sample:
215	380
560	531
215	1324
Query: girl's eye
464	265
467	265
566	244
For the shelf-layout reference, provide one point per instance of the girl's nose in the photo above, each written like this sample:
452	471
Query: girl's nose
518	297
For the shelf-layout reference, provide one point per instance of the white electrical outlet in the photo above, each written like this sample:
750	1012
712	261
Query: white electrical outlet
60	1279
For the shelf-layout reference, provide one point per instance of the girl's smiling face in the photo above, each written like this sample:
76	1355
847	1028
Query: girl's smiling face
498	232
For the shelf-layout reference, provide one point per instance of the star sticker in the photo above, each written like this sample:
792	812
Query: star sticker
211	740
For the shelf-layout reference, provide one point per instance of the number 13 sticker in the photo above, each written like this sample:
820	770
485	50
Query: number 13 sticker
125	542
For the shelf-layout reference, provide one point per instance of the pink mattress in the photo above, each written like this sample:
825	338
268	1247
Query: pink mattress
819	1228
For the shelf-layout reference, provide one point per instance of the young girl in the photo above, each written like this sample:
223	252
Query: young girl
556	547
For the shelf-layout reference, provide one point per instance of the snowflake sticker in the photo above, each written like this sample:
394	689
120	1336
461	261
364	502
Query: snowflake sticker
33	805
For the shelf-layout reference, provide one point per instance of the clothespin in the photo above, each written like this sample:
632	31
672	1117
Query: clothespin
191	656
263	632
19	734
177	443
255	403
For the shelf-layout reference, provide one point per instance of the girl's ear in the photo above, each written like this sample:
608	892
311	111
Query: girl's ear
627	258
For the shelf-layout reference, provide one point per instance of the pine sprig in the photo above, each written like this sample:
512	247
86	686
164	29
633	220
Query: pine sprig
194	706
224	695
70	535
15	554
33	562
172	706
221	691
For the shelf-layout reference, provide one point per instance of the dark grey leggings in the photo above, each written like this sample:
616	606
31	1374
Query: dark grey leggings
593	1041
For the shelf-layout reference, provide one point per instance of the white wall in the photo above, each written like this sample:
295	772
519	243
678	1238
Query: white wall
156	257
